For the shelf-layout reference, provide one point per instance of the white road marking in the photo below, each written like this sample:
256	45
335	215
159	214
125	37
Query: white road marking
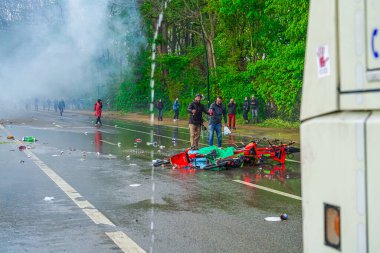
269	190
110	143
125	243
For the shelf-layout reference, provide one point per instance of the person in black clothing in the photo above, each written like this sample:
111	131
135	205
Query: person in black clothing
217	111
160	106
246	108
255	109
61	106
232	114
195	110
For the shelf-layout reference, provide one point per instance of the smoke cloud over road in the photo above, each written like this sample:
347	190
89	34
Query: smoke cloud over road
65	48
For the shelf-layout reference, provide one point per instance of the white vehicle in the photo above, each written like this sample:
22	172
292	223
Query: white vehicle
340	130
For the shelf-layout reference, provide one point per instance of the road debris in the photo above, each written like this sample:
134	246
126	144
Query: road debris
135	185
49	198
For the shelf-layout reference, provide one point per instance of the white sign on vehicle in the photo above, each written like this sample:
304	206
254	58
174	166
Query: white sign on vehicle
323	61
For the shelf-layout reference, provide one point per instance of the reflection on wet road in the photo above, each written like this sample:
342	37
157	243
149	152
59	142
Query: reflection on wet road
191	211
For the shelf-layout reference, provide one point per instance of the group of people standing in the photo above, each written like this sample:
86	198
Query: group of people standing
217	113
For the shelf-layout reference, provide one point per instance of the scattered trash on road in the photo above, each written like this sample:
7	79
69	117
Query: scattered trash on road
10	137
272	219
21	148
282	217
48	198
85	133
54	155
134	185
132	164
29	139
22	161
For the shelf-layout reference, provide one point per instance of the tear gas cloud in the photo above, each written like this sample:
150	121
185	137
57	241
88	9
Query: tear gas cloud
65	48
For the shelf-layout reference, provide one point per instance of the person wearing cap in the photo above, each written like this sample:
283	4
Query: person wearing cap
196	110
217	111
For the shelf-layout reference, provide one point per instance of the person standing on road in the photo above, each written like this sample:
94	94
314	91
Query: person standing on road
255	110
61	106
217	111
98	111
232	114
36	101
246	108
160	107
196	110
176	109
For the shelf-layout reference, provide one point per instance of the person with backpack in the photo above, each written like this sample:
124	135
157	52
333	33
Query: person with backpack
98	112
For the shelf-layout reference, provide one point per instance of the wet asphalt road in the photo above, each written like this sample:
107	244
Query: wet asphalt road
160	209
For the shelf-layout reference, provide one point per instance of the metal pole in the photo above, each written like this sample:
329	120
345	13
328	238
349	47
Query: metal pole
207	68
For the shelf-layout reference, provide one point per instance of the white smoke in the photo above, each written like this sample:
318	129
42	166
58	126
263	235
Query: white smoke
53	49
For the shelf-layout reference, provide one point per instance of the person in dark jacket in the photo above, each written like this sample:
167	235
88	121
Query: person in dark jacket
160	107
176	109
61	106
246	108
255	109
196	110
231	114
217	111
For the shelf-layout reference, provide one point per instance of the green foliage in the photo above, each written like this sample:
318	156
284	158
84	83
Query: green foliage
259	48
279	123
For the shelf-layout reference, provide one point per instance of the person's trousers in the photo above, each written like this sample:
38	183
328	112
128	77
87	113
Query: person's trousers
218	129
245	114
231	121
255	115
195	133
98	120
175	114
159	114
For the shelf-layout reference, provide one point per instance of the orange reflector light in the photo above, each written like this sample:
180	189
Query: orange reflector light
332	226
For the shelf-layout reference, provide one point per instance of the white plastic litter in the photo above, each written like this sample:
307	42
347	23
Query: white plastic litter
132	164
272	219
54	155
48	198
226	130
119	144
134	185
85	133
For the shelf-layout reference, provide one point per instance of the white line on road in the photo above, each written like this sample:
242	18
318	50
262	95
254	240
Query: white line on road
120	238
124	242
269	190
